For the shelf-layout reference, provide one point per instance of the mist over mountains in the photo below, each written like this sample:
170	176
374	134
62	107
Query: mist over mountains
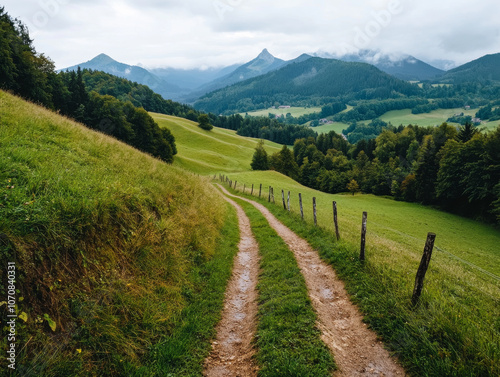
190	85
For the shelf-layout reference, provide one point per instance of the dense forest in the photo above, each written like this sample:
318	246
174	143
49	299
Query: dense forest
32	76
314	82
456	170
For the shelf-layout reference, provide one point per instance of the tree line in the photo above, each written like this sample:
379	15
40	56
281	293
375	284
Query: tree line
457	170
32	76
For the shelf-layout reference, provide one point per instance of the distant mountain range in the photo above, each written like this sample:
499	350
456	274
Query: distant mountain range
403	67
188	86
307	80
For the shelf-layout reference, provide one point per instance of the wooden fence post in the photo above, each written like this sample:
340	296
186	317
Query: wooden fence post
252	190
260	191
363	237
273	195
335	220
288	201
422	269
269	198
301	207
244	188
283	197
314	211
235	182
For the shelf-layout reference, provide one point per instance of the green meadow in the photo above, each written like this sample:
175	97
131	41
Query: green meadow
336	126
461	294
209	152
124	259
434	118
295	111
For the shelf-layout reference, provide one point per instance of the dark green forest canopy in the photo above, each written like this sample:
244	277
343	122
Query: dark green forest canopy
456	170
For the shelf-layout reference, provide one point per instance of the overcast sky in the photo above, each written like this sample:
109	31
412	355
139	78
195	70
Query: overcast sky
197	33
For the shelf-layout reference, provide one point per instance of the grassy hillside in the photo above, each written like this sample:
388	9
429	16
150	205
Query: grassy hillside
210	152
111	247
456	331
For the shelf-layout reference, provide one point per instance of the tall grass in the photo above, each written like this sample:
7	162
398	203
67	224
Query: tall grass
105	241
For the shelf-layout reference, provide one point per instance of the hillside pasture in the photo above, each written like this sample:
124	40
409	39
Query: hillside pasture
434	118
295	111
209	152
456	330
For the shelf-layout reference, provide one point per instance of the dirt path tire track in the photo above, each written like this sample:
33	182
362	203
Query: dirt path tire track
355	348
232	351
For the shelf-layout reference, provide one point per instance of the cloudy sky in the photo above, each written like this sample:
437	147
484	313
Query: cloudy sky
200	33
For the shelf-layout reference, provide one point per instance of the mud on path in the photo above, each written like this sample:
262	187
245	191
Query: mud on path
355	347
232	351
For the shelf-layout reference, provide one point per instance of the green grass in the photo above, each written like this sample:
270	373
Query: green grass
295	111
454	331
209	152
434	118
288	342
461	295
336	126
108	241
182	353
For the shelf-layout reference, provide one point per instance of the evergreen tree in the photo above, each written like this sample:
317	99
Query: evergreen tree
260	160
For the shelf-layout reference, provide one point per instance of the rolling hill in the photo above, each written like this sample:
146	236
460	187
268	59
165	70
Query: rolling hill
464	271
303	81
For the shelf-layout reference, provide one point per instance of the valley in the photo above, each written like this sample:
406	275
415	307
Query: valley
159	222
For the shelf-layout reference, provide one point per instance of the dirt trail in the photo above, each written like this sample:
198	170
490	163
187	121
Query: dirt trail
355	348
232	350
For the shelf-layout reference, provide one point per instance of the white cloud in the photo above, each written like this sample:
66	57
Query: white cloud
196	33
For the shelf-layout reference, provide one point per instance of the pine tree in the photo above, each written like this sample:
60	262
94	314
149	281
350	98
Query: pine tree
260	160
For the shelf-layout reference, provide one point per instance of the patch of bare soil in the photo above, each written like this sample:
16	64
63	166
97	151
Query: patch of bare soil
356	349
232	351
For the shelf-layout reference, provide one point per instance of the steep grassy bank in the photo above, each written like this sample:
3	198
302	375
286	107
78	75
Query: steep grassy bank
105	240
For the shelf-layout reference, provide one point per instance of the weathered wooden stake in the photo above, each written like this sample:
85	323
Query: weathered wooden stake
260	191
235	184
301	207
314	211
269	198
244	188
422	269
288	201
283	197
363	237
252	190
335	220
273	195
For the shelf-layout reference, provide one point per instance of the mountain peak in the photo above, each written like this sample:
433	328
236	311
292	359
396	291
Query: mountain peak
103	59
265	55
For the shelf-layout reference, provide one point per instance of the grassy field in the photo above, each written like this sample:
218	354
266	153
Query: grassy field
464	275
112	248
436	117
295	111
210	152
456	329
336	126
